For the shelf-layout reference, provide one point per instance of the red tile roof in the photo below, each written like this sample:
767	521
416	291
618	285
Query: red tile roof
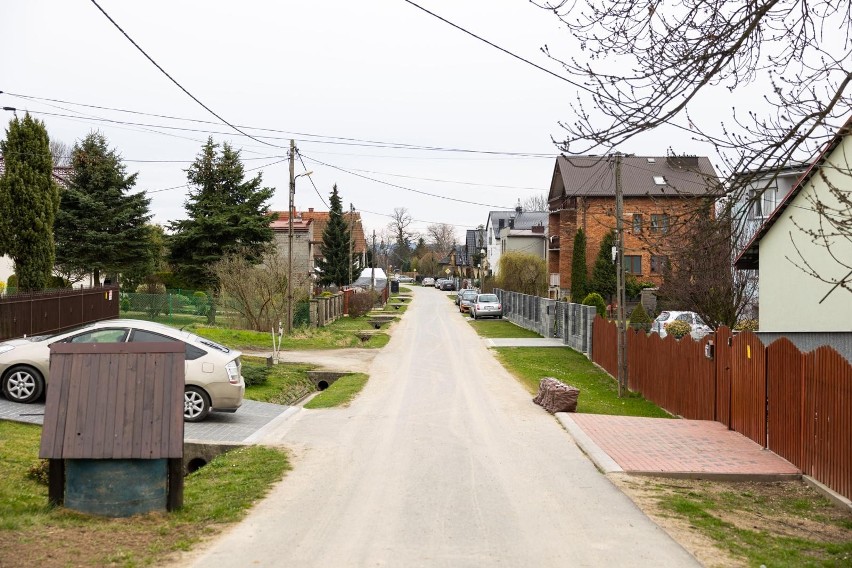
320	219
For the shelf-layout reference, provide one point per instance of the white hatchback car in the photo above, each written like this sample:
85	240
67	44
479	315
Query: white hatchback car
699	328
213	372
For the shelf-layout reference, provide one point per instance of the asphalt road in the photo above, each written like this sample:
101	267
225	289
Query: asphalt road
441	461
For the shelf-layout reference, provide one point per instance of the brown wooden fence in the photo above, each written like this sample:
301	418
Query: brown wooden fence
33	313
799	405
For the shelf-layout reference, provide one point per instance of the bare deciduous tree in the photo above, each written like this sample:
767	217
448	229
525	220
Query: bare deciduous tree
399	228
642	65
442	237
257	292
60	152
536	202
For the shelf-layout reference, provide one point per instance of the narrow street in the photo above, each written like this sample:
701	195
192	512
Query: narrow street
441	461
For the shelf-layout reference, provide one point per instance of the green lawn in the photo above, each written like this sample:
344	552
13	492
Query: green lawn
285	383
500	328
341	333
340	392
33	534
598	391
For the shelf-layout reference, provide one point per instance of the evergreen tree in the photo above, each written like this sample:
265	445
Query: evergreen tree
579	272
101	227
29	199
335	245
226	214
603	274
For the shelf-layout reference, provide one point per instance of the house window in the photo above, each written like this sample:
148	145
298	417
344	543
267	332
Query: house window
659	264
633	264
637	223
659	180
660	223
765	202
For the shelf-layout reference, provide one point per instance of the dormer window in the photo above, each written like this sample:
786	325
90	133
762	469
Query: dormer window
660	180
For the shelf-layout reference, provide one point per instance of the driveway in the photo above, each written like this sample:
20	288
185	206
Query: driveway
441	461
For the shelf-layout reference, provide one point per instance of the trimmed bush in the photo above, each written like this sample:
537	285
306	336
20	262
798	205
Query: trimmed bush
678	328
361	303
639	318
746	325
201	303
596	300
255	374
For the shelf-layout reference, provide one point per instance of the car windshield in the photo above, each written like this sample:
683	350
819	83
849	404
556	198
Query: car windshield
487	298
468	295
663	316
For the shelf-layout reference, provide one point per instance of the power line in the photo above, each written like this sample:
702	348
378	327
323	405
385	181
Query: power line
404	187
172	79
332	140
311	180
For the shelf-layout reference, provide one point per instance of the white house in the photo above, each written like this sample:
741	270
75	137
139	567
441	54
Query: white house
804	262
502	224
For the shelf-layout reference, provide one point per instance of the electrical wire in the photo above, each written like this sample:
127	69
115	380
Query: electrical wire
311	180
402	186
172	79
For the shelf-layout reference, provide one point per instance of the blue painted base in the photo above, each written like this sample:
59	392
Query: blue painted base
116	488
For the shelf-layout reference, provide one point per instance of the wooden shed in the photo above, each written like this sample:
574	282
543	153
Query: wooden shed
113	427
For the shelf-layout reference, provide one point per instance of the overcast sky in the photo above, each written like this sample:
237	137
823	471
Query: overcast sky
378	70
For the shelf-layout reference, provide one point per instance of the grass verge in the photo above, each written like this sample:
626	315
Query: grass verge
500	328
285	383
340	392
598	391
32	534
755	523
340	334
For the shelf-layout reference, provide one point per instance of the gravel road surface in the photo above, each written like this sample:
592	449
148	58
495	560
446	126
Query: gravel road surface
441	461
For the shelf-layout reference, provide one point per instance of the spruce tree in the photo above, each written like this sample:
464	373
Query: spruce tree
579	272
335	245
603	274
101	226
226	214
29	200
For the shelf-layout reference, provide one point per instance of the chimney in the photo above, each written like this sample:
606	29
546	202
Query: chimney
518	208
310	209
500	224
538	229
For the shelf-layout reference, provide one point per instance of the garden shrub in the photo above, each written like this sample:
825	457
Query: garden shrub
678	328
12	283
361	303
639	318
124	303
255	374
746	325
201	303
596	300
38	471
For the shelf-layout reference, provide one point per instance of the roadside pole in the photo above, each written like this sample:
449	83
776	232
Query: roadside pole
619	279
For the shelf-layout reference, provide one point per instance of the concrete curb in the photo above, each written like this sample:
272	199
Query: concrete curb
829	493
599	457
272	425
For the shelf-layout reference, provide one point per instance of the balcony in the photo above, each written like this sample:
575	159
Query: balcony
554	280
554	242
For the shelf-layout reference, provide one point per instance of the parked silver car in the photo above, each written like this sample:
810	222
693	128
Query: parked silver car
699	328
486	306
213	372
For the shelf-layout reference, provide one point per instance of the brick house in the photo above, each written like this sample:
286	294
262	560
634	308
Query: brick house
658	192
308	227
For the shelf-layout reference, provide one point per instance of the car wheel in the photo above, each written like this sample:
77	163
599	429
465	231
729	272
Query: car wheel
196	404
23	384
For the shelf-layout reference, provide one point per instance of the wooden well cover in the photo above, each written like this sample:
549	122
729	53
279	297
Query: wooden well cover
114	401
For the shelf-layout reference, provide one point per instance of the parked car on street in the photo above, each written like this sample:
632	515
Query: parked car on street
486	306
448	285
213	372
699	328
462	291
466	299
427	282
404	279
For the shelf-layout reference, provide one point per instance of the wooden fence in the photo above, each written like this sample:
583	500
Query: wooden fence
52	311
799	405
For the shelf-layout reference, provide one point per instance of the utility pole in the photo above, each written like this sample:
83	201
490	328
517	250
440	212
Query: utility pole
290	238
373	264
619	279
351	237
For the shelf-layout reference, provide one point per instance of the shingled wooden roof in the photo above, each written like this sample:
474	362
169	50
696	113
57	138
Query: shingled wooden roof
114	401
